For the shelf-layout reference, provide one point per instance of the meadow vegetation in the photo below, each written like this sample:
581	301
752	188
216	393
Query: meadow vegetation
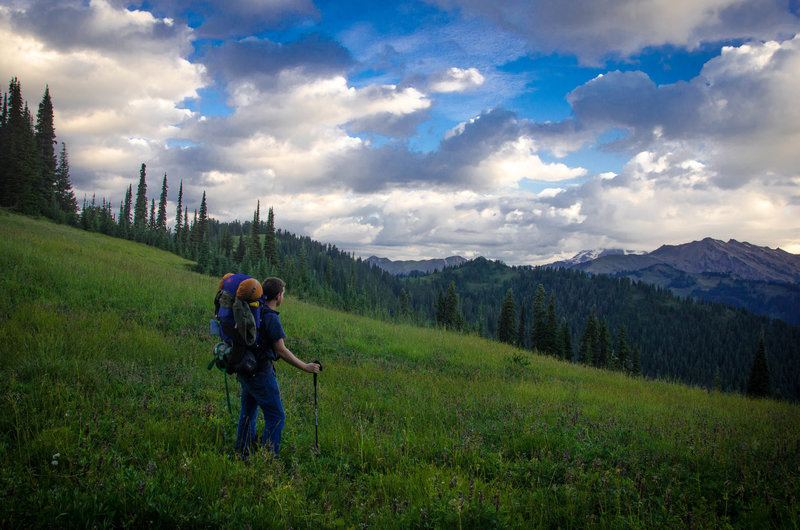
110	418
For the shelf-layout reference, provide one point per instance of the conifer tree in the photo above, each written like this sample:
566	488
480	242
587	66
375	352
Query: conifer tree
551	327
303	266
623	351
186	231
605	359
636	366
204	214
125	216
404	309
255	238
453	319
151	226
161	221
506	331
523	326
65	197
758	383
270	246
202	223
226	242
20	173
179	227
440	309
590	347
140	207
241	250
565	340
539	320
45	142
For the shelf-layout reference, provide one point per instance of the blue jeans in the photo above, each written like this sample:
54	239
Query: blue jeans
260	390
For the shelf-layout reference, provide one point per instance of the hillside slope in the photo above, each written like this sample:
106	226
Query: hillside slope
110	418
695	342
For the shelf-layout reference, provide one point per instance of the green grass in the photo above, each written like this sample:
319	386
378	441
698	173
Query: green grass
110	418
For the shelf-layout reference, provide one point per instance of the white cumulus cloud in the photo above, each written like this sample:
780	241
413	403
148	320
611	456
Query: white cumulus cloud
456	80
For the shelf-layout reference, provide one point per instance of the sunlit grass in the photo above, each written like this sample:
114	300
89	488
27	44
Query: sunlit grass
111	418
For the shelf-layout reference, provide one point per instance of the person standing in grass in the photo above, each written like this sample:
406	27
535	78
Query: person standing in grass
261	388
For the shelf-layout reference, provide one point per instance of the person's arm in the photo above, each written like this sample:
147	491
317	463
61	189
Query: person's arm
284	353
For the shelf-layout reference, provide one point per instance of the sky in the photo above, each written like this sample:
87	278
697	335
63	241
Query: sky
524	131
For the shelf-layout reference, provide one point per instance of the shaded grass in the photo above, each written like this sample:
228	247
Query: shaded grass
111	419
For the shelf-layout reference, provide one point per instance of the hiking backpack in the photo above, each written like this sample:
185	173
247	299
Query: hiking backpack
237	307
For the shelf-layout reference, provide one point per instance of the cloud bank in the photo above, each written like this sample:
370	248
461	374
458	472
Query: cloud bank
321	124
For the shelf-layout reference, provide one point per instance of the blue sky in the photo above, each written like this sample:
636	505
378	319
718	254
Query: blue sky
525	131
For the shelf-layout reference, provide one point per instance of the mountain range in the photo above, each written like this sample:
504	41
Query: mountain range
764	280
414	267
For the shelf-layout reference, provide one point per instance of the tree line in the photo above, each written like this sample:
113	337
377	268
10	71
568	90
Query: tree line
34	178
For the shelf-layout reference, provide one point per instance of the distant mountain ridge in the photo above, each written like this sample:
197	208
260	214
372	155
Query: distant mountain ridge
591	255
744	260
409	267
762	279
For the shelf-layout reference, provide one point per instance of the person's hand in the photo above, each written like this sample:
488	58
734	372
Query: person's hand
313	368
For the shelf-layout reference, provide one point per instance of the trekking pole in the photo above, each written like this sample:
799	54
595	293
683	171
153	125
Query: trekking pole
316	422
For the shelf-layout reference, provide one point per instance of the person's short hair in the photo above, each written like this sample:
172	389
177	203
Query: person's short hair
272	288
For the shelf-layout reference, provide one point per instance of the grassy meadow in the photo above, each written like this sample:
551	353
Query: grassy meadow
111	419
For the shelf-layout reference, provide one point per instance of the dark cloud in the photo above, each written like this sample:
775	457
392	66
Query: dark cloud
68	25
632	100
594	29
388	124
449	167
481	136
197	160
261	59
376	169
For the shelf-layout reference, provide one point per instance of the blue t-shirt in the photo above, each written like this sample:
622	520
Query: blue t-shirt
270	331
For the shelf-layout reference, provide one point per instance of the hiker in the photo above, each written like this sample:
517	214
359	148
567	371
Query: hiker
261	388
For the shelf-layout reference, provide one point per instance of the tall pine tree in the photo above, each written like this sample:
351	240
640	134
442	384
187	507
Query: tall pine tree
179	227
270	246
522	328
255	238
125	218
539	320
20	163
623	351
65	197
758	382
161	221
453	319
565	348
45	143
551	328
590	341
506	331
140	207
